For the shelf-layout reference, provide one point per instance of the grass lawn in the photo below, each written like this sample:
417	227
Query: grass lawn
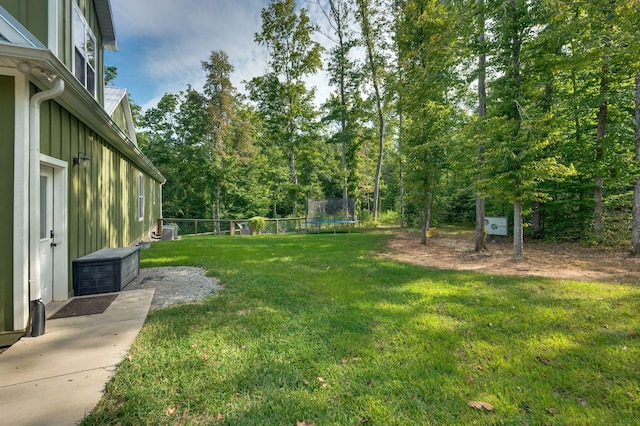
317	328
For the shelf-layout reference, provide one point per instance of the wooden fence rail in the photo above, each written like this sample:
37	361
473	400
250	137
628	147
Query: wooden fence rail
231	222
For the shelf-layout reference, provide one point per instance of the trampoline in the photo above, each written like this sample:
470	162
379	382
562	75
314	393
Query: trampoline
330	212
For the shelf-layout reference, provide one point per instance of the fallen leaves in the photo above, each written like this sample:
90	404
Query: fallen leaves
305	423
322	382
480	405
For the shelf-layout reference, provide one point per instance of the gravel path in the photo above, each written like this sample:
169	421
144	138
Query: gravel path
173	285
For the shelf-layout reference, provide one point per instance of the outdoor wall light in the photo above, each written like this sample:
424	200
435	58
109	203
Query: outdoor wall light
81	160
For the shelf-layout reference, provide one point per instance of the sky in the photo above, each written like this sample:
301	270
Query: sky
161	44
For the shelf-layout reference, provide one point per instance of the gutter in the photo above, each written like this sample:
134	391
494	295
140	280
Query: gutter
80	103
35	284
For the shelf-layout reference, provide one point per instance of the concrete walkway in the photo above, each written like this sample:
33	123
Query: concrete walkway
57	378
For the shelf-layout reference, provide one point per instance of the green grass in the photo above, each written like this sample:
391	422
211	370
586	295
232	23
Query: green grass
318	328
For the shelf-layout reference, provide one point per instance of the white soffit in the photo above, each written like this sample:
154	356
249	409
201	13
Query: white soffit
107	28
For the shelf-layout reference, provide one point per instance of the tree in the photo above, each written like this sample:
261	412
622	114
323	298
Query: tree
585	45
283	100
110	74
222	150
342	74
635	231
426	37
370	17
479	238
516	154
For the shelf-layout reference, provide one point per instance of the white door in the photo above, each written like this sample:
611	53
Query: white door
47	233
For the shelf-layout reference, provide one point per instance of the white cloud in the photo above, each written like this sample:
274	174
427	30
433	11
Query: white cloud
171	38
168	39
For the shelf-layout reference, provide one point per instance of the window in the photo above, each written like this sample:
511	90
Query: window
140	197
84	58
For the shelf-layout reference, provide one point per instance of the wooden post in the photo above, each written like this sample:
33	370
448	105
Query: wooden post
232	228
196	227
277	227
159	227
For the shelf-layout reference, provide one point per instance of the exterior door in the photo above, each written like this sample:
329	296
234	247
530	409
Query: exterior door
47	233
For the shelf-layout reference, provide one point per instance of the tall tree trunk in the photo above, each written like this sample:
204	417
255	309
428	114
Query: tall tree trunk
517	230
401	167
536	220
480	239
217	212
429	209
423	217
598	208
516	45
343	108
375	80
635	231
402	225
376	185
294	174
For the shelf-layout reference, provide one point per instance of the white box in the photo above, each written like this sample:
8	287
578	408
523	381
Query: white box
496	226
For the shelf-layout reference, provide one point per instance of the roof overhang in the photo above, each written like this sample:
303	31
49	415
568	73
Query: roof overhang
13	31
107	28
115	96
77	100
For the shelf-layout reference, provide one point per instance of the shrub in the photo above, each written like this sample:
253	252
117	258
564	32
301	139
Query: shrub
256	224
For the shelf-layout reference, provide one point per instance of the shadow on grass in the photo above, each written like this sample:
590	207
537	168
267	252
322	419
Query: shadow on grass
317	328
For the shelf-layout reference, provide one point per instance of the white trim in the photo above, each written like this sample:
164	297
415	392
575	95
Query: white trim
60	215
35	278
20	204
88	31
54	27
15	33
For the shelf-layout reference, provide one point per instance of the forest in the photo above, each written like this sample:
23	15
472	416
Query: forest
442	111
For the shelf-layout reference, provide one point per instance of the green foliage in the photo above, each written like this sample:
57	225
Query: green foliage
318	328
257	224
389	217
559	116
281	95
110	74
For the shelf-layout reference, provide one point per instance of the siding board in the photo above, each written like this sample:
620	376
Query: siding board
7	124
103	199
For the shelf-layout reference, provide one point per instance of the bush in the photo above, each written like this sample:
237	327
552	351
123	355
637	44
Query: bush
256	224
390	217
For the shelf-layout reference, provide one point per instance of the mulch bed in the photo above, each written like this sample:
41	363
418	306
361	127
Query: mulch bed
85	306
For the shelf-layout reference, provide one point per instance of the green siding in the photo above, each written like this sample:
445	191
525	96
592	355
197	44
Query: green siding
32	14
7	123
120	118
103	199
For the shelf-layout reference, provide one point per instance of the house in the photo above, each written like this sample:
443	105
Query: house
72	178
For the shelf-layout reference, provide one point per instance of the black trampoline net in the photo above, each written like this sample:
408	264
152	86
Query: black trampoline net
331	210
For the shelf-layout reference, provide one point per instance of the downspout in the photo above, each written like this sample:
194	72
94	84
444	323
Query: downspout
35	286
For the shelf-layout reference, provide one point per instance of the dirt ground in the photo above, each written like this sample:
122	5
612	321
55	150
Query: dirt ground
453	249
